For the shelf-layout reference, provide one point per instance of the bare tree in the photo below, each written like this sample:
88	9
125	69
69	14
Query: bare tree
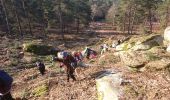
28	18
61	20
6	17
150	20
17	18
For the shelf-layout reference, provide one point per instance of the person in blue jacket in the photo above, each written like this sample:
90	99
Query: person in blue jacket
5	86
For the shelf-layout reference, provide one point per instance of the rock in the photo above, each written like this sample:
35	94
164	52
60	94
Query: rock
168	49
141	47
167	34
108	86
39	49
158	65
167	38
157	49
124	46
166	43
141	43
133	59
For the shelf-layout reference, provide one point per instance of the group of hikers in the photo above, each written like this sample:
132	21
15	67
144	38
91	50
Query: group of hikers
68	60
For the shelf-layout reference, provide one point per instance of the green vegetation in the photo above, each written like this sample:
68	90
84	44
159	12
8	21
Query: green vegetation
22	17
40	90
153	57
38	49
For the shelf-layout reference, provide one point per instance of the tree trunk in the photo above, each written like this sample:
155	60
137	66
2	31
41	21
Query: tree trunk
167	16
17	18
133	20
129	21
6	17
124	23
61	21
28	18
78	25
150	20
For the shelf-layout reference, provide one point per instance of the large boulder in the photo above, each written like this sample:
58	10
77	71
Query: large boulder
157	50
133	59
168	49
36	48
141	43
108	85
167	38
167	34
158	64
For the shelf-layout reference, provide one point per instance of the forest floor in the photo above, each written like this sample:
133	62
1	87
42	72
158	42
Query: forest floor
29	84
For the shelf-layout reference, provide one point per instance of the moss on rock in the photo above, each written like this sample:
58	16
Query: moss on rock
38	49
143	42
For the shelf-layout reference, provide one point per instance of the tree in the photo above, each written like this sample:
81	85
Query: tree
149	7
135	13
17	16
82	13
6	17
113	10
26	15
164	13
61	14
100	8
126	19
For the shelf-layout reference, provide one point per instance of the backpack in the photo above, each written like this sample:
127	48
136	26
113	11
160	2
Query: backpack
62	55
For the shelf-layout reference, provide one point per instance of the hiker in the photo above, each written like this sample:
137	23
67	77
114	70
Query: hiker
41	67
78	56
5	86
115	43
89	53
69	62
104	48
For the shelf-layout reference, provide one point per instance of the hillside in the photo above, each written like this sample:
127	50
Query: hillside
124	45
150	81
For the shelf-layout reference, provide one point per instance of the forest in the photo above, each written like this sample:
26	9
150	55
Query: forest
24	17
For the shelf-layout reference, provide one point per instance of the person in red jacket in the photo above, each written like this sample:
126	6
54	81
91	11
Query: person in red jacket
78	56
69	62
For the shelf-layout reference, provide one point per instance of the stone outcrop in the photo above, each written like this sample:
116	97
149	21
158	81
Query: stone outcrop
141	43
